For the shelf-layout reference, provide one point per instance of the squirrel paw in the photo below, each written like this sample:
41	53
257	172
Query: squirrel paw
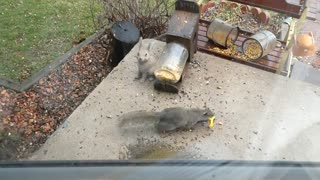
151	78
137	78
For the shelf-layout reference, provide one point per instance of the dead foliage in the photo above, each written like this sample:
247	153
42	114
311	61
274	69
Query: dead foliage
150	16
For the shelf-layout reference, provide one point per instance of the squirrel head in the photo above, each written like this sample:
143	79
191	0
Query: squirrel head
208	113
144	51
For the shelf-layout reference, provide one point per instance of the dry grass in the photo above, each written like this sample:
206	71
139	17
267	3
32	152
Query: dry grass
150	16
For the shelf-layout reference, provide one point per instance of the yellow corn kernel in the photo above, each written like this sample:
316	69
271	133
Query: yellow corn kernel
211	122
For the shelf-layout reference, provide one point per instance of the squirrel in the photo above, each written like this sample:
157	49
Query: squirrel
168	119
146	62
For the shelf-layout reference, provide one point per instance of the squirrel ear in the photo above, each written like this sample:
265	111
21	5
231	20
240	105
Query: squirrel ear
208	112
140	42
149	46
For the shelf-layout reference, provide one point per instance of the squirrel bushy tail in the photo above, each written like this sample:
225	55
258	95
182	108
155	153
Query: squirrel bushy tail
137	120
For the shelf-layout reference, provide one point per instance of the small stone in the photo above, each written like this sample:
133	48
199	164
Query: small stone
219	87
9	134
235	137
207	82
255	132
109	116
220	123
31	121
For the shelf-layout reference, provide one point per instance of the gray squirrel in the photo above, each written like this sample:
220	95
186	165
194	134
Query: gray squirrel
168	119
146	62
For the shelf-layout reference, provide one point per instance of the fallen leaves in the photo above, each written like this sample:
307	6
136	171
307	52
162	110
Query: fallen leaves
37	112
3	92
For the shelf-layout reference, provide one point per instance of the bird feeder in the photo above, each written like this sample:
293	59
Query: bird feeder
222	33
259	45
181	39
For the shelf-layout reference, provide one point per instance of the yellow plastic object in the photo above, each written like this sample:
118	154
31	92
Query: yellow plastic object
211	121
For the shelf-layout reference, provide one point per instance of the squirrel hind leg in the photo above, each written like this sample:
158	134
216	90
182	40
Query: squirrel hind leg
139	76
190	125
151	77
143	77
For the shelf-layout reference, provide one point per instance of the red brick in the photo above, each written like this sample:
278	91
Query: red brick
211	4
244	8
264	17
255	11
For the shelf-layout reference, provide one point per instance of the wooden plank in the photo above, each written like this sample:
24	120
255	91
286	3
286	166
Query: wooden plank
260	65
202	28
238	43
241	38
185	27
273	56
276	54
203	38
204	23
278	50
269	57
267	63
273	60
202	33
201	44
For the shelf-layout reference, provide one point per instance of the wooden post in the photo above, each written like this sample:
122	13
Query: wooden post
125	36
